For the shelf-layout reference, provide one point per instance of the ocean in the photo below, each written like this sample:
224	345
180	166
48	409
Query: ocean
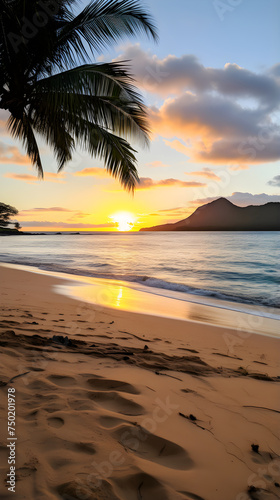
240	267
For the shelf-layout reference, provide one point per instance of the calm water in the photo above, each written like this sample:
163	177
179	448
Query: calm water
240	267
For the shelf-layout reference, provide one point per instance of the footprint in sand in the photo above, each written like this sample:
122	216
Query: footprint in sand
109	385
56	422
115	402
153	448
80	404
53	407
142	485
32	415
35	369
58	459
42	386
191	496
81	488
62	380
108	422
84	448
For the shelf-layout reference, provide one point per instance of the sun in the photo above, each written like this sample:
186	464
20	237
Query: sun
124	220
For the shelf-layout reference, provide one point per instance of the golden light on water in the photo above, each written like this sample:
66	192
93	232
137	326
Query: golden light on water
124	220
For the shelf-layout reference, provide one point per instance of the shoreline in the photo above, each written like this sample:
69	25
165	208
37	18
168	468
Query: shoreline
164	286
121	295
109	411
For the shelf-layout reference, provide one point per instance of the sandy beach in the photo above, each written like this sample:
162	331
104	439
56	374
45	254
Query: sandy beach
132	406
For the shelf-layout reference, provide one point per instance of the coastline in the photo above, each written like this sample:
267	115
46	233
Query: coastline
107	391
132	297
239	274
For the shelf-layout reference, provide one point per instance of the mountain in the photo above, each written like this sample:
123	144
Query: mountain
222	215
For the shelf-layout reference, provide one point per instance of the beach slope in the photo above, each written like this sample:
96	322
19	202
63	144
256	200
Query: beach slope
131	406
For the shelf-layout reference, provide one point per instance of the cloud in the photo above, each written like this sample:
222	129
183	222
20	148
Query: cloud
79	215
48	177
157	164
180	214
54	177
92	172
148	183
212	115
49	209
12	155
4	115
251	150
216	130
242	199
275	70
172	209
172	74
275	181
172	214
206	172
22	177
193	116
66	225
75	214
178	146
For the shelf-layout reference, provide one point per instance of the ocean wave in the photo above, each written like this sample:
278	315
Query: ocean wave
149	282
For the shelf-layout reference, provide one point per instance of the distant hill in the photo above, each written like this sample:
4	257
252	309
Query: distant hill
222	215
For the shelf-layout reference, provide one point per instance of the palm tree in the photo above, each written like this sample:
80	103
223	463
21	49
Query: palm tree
51	89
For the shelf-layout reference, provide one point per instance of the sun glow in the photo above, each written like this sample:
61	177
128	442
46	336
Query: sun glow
124	220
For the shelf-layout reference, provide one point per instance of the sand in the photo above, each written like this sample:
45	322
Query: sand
132	406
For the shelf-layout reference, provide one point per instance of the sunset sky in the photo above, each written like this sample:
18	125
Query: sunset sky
212	85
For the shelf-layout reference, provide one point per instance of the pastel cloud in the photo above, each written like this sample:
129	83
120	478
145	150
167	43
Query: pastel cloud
92	172
172	209
157	164
180	212
275	181
66	225
172	74
48	177
244	152
205	172
178	146
242	199
148	183
75	214
12	155
212	115
49	209
216	130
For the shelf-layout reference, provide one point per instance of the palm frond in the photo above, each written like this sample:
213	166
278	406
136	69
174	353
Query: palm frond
95	105
56	135
21	128
118	155
102	94
101	23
